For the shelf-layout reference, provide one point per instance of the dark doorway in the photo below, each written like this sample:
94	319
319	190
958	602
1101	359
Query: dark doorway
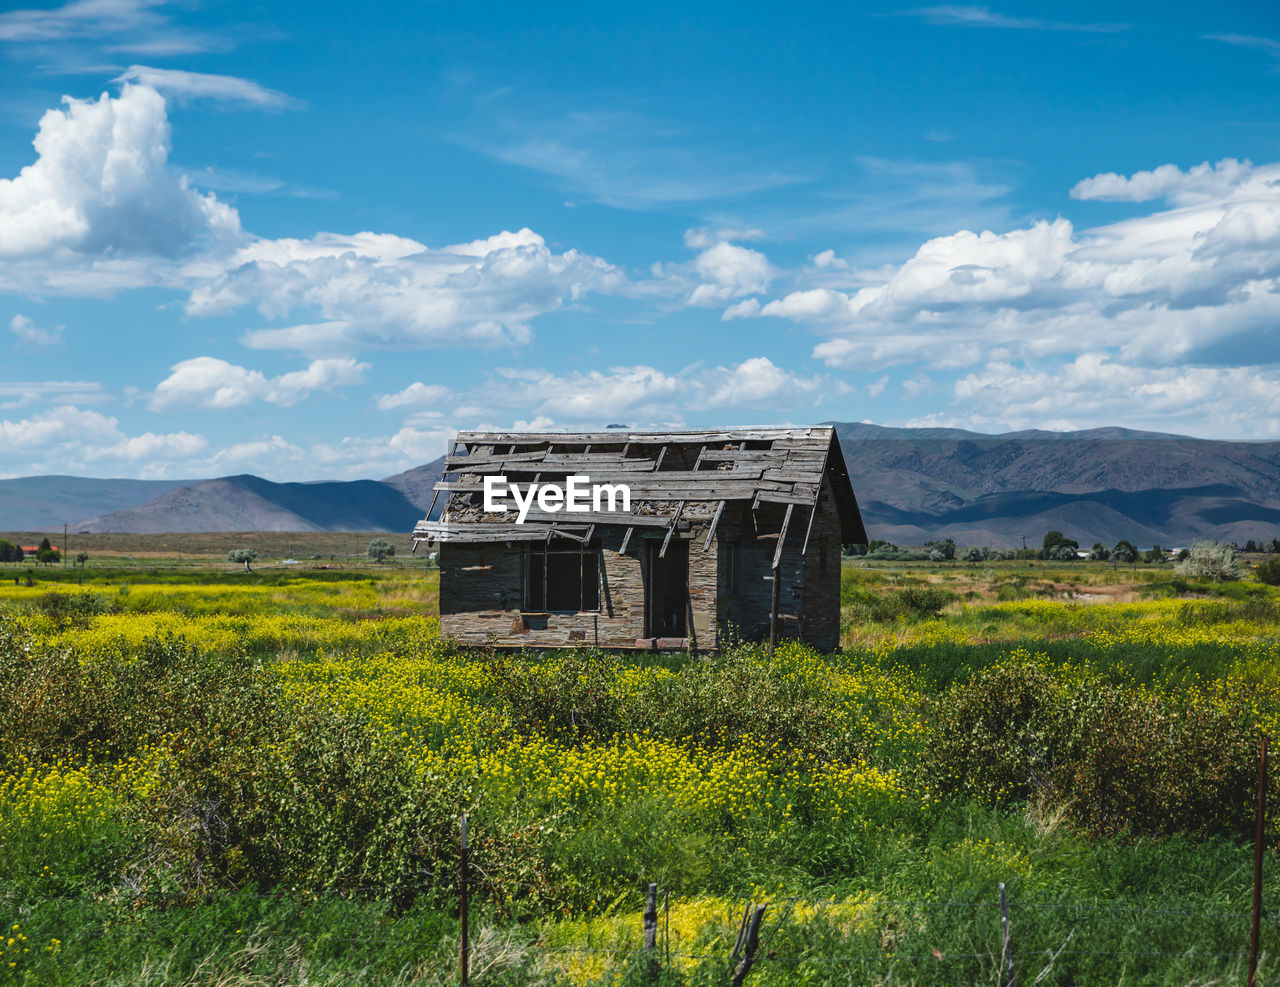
668	590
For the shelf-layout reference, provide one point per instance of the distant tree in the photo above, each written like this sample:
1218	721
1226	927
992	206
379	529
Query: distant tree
1252	546
380	550
1274	546
1099	552
47	556
1123	553
18	553
974	554
1063	552
82	558
7	550
45	543
245	555
1053	542
941	551
1269	572
1213	560
1156	554
1183	555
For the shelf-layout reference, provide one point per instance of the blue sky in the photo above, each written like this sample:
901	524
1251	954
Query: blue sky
313	240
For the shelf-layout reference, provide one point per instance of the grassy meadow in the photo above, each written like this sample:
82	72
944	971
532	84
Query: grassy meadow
213	776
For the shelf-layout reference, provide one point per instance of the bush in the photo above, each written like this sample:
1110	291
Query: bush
1113	759
1269	572
381	550
1212	560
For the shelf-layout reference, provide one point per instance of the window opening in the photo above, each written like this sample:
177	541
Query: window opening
564	579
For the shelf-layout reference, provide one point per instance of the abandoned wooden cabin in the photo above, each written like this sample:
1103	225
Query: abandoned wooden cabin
734	532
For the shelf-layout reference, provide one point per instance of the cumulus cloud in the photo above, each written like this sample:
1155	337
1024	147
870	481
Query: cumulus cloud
754	383
416	395
185	85
30	334
381	290
67	438
100	185
1204	182
728	271
641	392
207	382
1092	390
1167	287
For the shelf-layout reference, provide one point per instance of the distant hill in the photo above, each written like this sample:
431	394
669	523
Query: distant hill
250	503
40	503
913	485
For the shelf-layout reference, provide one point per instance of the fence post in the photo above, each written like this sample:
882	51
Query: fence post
751	942
465	947
651	933
1257	861
666	926
1007	976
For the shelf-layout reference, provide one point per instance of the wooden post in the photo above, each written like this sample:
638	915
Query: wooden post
773	611
666	926
465	948
1006	975
651	933
749	946
1257	861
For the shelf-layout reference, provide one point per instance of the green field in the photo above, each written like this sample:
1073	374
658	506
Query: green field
213	776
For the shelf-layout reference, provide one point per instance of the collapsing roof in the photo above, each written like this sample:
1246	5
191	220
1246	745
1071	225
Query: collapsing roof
672	477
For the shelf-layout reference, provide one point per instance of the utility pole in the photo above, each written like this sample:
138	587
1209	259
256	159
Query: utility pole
64	544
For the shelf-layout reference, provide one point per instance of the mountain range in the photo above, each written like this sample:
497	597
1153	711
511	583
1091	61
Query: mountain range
913	485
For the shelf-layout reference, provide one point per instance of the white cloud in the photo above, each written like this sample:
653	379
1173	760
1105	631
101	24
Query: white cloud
416	395
99	186
1205	182
18	394
81	18
207	382
965	15
702	237
201	85
30	334
65	439
828	259
641	392
1268	46
1092	391
754	383
1167	287
582	396
744	309
380	290
728	271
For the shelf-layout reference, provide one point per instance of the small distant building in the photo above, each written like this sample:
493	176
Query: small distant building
727	532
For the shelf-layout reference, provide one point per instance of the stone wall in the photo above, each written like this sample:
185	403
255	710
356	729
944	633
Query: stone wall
482	593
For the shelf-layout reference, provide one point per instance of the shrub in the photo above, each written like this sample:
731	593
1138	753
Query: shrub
1212	560
1114	759
1269	572
381	550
